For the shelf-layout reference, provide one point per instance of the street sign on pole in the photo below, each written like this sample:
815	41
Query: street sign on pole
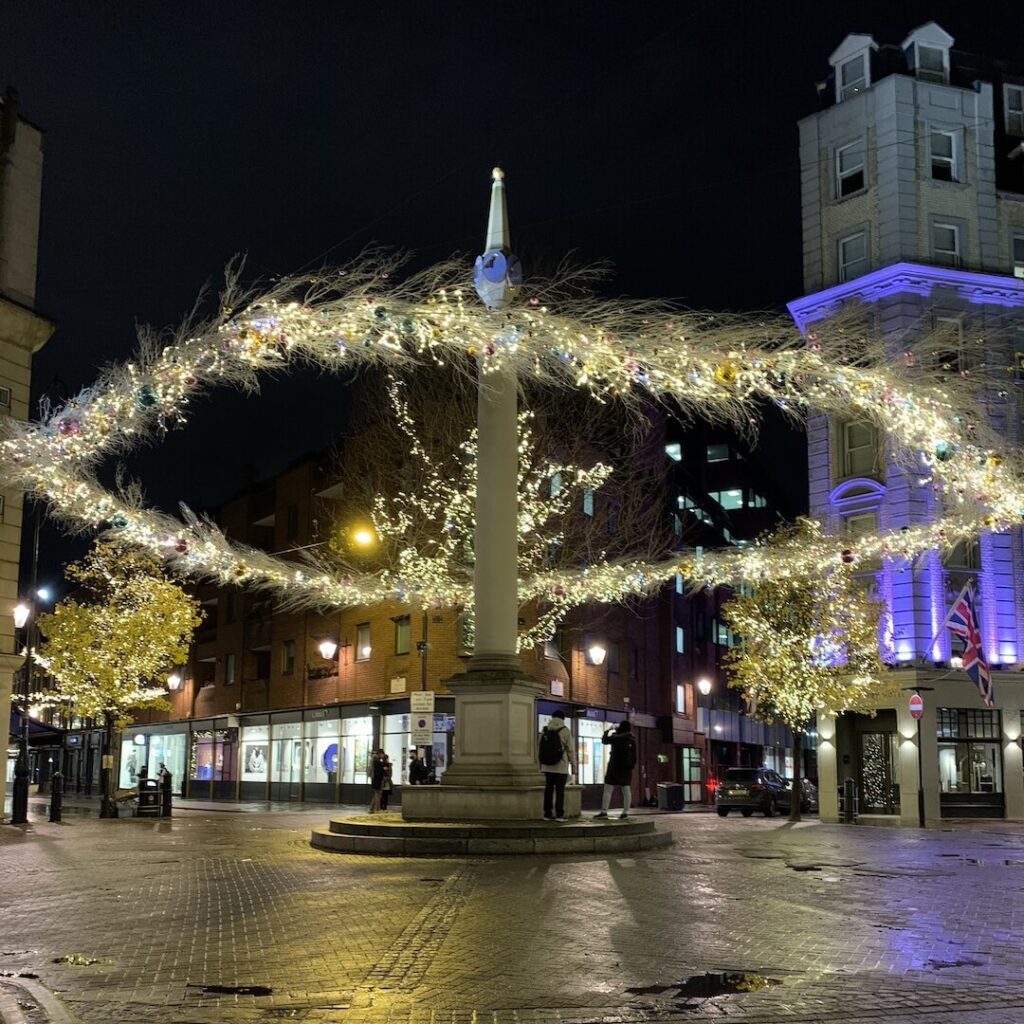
916	706
421	711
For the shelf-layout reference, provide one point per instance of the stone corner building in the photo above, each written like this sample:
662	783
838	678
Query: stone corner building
912	194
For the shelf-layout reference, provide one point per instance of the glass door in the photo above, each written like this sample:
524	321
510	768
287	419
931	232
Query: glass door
879	793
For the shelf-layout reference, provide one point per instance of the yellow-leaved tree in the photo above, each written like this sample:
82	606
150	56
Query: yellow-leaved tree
806	648
109	647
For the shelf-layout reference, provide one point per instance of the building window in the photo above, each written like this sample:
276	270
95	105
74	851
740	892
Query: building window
553	648
944	159
5	398
612	657
929	63
556	484
721	637
363	647
756	501
853	76
861	524
679	583
680	640
1018	255
680	699
292	522
853	256
849	169
288	657
950	355
1013	102
674	451
588	502
729	500
946	244
718	453
229	670
858	453
403	634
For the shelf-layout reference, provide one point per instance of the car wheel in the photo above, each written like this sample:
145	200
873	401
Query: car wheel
746	812
769	808
723	811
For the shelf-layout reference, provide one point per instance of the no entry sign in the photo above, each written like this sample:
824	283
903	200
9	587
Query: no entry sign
916	706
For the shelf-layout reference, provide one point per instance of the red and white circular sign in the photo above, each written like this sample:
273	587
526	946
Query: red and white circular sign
916	706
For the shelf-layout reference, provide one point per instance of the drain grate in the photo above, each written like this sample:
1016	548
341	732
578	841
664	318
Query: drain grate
706	986
233	990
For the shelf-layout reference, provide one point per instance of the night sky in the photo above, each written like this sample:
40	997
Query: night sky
658	136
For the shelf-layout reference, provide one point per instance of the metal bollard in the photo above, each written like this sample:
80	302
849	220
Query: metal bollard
56	796
849	801
165	794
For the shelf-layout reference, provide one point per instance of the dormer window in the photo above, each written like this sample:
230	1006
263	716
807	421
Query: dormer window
1013	98
851	65
927	50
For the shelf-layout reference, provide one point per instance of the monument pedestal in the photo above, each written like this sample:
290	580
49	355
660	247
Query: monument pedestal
494	772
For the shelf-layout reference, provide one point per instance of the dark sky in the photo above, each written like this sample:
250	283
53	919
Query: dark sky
659	136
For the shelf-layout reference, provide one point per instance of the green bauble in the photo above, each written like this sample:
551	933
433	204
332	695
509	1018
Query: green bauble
944	451
147	396
119	522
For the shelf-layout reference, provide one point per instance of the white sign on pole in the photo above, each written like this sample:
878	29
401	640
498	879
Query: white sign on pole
421	712
421	702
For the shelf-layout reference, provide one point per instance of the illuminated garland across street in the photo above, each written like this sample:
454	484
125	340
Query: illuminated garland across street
714	367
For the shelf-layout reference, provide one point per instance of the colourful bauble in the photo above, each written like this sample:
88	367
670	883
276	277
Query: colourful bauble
848	556
68	427
181	545
118	522
944	451
726	373
147	396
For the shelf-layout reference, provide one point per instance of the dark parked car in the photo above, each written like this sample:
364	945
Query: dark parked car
760	789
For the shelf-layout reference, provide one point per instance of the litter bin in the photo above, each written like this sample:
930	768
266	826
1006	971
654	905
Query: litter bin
670	796
149	799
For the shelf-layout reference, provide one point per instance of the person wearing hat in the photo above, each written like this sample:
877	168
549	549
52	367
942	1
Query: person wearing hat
556	760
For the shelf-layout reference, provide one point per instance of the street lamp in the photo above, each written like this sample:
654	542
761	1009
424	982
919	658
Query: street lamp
704	685
174	681
596	654
328	649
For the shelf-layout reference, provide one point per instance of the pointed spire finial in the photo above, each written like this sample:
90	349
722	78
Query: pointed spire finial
497	273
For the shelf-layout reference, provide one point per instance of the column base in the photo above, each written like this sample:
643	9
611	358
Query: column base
482	803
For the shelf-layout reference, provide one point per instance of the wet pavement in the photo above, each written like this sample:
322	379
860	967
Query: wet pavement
229	917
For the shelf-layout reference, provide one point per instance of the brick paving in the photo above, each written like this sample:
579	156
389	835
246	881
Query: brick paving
857	924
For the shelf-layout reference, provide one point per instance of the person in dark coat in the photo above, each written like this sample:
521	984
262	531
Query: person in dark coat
619	772
377	771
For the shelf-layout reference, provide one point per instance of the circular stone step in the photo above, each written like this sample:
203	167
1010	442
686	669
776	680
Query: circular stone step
389	835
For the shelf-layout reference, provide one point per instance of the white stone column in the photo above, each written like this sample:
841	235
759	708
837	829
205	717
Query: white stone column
828	769
1013	763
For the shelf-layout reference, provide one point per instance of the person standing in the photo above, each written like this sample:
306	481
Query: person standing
556	761
376	780
621	761
385	785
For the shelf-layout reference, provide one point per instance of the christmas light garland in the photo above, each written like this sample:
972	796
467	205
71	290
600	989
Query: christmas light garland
715	367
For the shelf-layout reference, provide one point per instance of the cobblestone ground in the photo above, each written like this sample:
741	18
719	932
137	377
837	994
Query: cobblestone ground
857	925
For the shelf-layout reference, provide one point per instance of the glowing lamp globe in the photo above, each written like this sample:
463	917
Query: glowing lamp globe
704	685
328	649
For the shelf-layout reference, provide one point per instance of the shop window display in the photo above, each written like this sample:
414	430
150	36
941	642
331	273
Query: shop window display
133	756
590	751
356	740
168	750
286	764
322	754
255	753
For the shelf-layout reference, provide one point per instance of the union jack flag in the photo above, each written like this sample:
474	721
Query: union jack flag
963	621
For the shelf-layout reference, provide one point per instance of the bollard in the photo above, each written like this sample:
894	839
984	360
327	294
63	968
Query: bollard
849	801
56	796
165	793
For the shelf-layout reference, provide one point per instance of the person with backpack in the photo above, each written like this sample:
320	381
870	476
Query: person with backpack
556	760
621	762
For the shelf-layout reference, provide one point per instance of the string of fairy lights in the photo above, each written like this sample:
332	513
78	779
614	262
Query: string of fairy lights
715	367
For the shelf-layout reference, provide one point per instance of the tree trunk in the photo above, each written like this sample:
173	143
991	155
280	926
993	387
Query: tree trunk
797	796
108	805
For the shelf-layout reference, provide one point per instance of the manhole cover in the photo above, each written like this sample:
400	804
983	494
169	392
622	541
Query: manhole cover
705	986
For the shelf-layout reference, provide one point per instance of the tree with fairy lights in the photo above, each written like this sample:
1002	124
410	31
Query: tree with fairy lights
107	648
409	480
806	648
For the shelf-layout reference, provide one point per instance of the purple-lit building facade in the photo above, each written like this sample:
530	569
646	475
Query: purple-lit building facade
912	194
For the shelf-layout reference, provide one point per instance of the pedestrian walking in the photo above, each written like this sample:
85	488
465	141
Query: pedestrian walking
417	770
385	785
621	762
556	761
376	780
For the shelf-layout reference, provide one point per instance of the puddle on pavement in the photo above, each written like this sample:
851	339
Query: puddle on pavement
706	986
940	965
76	960
233	990
803	867
19	974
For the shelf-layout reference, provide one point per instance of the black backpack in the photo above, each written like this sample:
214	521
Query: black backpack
550	750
